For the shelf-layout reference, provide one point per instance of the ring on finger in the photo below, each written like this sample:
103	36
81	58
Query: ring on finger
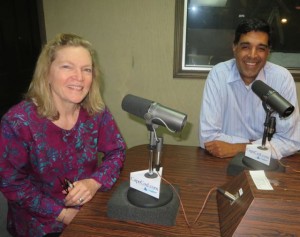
80	200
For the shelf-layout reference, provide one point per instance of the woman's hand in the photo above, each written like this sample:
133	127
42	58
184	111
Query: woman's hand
67	215
82	192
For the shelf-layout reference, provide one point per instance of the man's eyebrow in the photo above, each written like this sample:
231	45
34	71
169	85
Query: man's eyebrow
244	43
264	45
259	45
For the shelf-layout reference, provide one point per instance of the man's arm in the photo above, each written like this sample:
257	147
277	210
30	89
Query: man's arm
224	149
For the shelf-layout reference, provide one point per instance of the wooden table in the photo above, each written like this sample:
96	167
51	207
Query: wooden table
192	169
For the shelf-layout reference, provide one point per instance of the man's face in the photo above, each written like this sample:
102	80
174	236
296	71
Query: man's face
251	54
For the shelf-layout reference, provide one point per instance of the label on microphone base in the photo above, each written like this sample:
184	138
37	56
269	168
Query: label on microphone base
258	153
150	186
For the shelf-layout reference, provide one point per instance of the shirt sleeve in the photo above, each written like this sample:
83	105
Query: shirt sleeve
112	145
14	170
211	120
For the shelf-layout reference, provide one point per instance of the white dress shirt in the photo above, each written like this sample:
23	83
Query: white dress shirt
233	113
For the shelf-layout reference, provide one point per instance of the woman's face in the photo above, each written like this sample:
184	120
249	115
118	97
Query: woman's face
251	54
70	76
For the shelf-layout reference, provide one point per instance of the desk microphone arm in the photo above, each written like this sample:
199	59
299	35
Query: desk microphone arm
158	153
241	162
155	144
269	124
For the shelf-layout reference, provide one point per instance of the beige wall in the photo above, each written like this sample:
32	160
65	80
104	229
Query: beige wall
134	40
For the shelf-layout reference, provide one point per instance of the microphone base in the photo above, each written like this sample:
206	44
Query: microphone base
240	162
140	199
154	212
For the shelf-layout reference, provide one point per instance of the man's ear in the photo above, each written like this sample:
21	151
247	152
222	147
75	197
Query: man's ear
234	48
269	51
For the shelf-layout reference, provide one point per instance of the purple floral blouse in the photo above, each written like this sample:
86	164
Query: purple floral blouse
35	153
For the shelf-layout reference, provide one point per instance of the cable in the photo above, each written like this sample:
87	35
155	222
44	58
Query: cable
156	118
204	203
181	203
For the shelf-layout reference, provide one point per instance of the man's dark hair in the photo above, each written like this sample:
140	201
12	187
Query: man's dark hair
252	24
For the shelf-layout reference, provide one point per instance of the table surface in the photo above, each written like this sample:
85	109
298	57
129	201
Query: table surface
192	169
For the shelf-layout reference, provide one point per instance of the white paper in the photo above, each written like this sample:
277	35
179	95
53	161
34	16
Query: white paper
260	180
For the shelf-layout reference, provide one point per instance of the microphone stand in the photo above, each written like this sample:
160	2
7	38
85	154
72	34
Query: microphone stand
269	130
141	199
241	162
267	125
152	147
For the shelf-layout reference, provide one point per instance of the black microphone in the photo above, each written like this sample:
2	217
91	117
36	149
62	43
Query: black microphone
157	113
272	98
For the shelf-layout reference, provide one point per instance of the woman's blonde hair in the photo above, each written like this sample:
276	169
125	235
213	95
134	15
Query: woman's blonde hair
39	89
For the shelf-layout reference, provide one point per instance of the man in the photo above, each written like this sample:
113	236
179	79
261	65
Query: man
232	115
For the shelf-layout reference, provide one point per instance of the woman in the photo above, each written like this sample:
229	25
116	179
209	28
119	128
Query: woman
50	141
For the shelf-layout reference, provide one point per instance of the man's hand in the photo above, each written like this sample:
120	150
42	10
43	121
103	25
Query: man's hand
223	149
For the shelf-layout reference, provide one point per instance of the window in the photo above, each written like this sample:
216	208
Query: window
204	31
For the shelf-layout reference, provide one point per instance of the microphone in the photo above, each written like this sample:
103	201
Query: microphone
155	112
272	98
272	101
144	198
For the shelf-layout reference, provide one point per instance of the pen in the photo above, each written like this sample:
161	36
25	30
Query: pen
69	183
66	184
